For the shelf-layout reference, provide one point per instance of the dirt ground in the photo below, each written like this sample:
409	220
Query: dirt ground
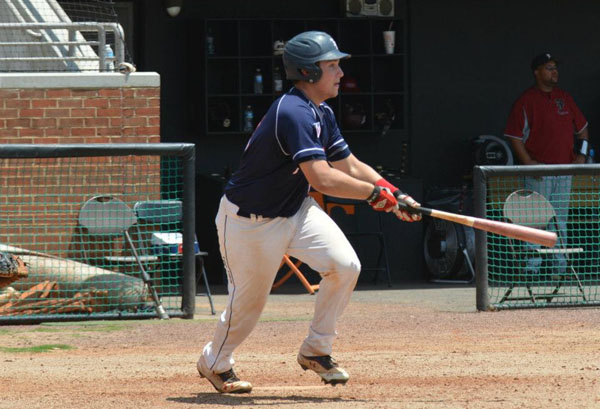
404	348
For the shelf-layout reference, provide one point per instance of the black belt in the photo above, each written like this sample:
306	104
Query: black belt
243	213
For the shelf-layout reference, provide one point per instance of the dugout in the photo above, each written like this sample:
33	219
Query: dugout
466	61
456	69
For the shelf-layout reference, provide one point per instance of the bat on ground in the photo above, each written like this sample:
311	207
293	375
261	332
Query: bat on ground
516	231
160	310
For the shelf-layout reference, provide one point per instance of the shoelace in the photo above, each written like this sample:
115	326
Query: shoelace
229	376
326	361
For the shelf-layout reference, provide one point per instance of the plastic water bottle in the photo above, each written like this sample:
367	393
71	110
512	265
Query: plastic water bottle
590	157
109	56
210	43
277	81
248	119
258	82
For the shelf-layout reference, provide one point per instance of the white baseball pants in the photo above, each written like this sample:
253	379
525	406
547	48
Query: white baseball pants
252	250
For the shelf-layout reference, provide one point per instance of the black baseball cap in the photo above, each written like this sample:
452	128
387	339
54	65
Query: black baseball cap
542	59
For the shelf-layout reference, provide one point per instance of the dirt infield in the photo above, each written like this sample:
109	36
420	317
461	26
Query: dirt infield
404	348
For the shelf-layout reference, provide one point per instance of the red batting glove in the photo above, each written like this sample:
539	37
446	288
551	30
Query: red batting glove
382	200
385	184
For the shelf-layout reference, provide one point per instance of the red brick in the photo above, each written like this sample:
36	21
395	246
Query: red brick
110	112
84	93
115	103
135	102
127	93
135	121
154	121
18	123
32	93
70	103
7	132
56	113
50	139
94	122
116	121
17	103
58	93
57	131
147	92
31	132
147	111
96	103
83	131
110	92
150	130
9	94
108	131
43	123
43	103
154	102
9	113
70	122
83	112
31	113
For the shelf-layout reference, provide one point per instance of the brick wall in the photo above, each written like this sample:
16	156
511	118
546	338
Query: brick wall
40	199
109	115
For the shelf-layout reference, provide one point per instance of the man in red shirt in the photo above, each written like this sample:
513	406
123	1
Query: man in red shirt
545	126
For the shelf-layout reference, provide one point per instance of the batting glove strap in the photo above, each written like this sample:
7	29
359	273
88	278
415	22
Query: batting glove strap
374	195
382	200
399	193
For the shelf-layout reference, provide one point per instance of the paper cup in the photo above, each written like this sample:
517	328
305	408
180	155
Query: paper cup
389	41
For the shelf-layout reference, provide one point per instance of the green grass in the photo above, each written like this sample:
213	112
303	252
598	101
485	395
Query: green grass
37	348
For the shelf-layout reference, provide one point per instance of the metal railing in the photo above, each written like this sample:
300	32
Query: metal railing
67	49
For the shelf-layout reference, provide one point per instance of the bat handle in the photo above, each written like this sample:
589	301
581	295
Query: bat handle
413	210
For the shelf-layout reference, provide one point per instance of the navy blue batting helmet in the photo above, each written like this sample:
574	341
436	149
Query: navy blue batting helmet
305	50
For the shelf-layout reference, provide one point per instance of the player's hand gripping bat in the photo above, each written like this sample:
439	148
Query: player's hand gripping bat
516	231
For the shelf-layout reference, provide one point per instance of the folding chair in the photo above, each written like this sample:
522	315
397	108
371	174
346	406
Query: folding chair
529	208
107	218
106	221
161	218
295	269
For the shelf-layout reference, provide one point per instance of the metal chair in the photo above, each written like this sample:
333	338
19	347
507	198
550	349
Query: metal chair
106	219
161	220
529	208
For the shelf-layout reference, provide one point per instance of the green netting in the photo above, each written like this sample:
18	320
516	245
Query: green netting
525	275
67	217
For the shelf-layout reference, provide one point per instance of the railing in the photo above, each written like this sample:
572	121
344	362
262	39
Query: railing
67	49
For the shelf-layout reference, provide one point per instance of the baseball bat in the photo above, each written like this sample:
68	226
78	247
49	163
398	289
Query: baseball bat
160	310
516	231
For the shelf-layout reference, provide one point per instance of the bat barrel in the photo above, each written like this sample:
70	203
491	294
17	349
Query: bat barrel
529	234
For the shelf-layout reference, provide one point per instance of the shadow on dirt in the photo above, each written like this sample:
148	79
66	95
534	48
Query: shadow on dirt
253	400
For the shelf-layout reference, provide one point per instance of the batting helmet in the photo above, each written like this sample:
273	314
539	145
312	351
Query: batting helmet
305	50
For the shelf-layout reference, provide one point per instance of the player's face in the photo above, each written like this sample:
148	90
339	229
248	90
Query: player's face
547	74
328	85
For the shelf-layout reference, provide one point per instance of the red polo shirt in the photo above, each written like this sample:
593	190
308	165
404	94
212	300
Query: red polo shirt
546	122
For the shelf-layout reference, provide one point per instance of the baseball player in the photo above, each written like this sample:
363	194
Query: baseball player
266	212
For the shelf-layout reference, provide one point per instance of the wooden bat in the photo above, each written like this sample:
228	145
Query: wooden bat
516	231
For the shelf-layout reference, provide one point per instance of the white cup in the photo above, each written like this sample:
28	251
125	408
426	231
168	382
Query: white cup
389	41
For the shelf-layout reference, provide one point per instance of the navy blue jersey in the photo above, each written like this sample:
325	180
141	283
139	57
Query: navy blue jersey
294	130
